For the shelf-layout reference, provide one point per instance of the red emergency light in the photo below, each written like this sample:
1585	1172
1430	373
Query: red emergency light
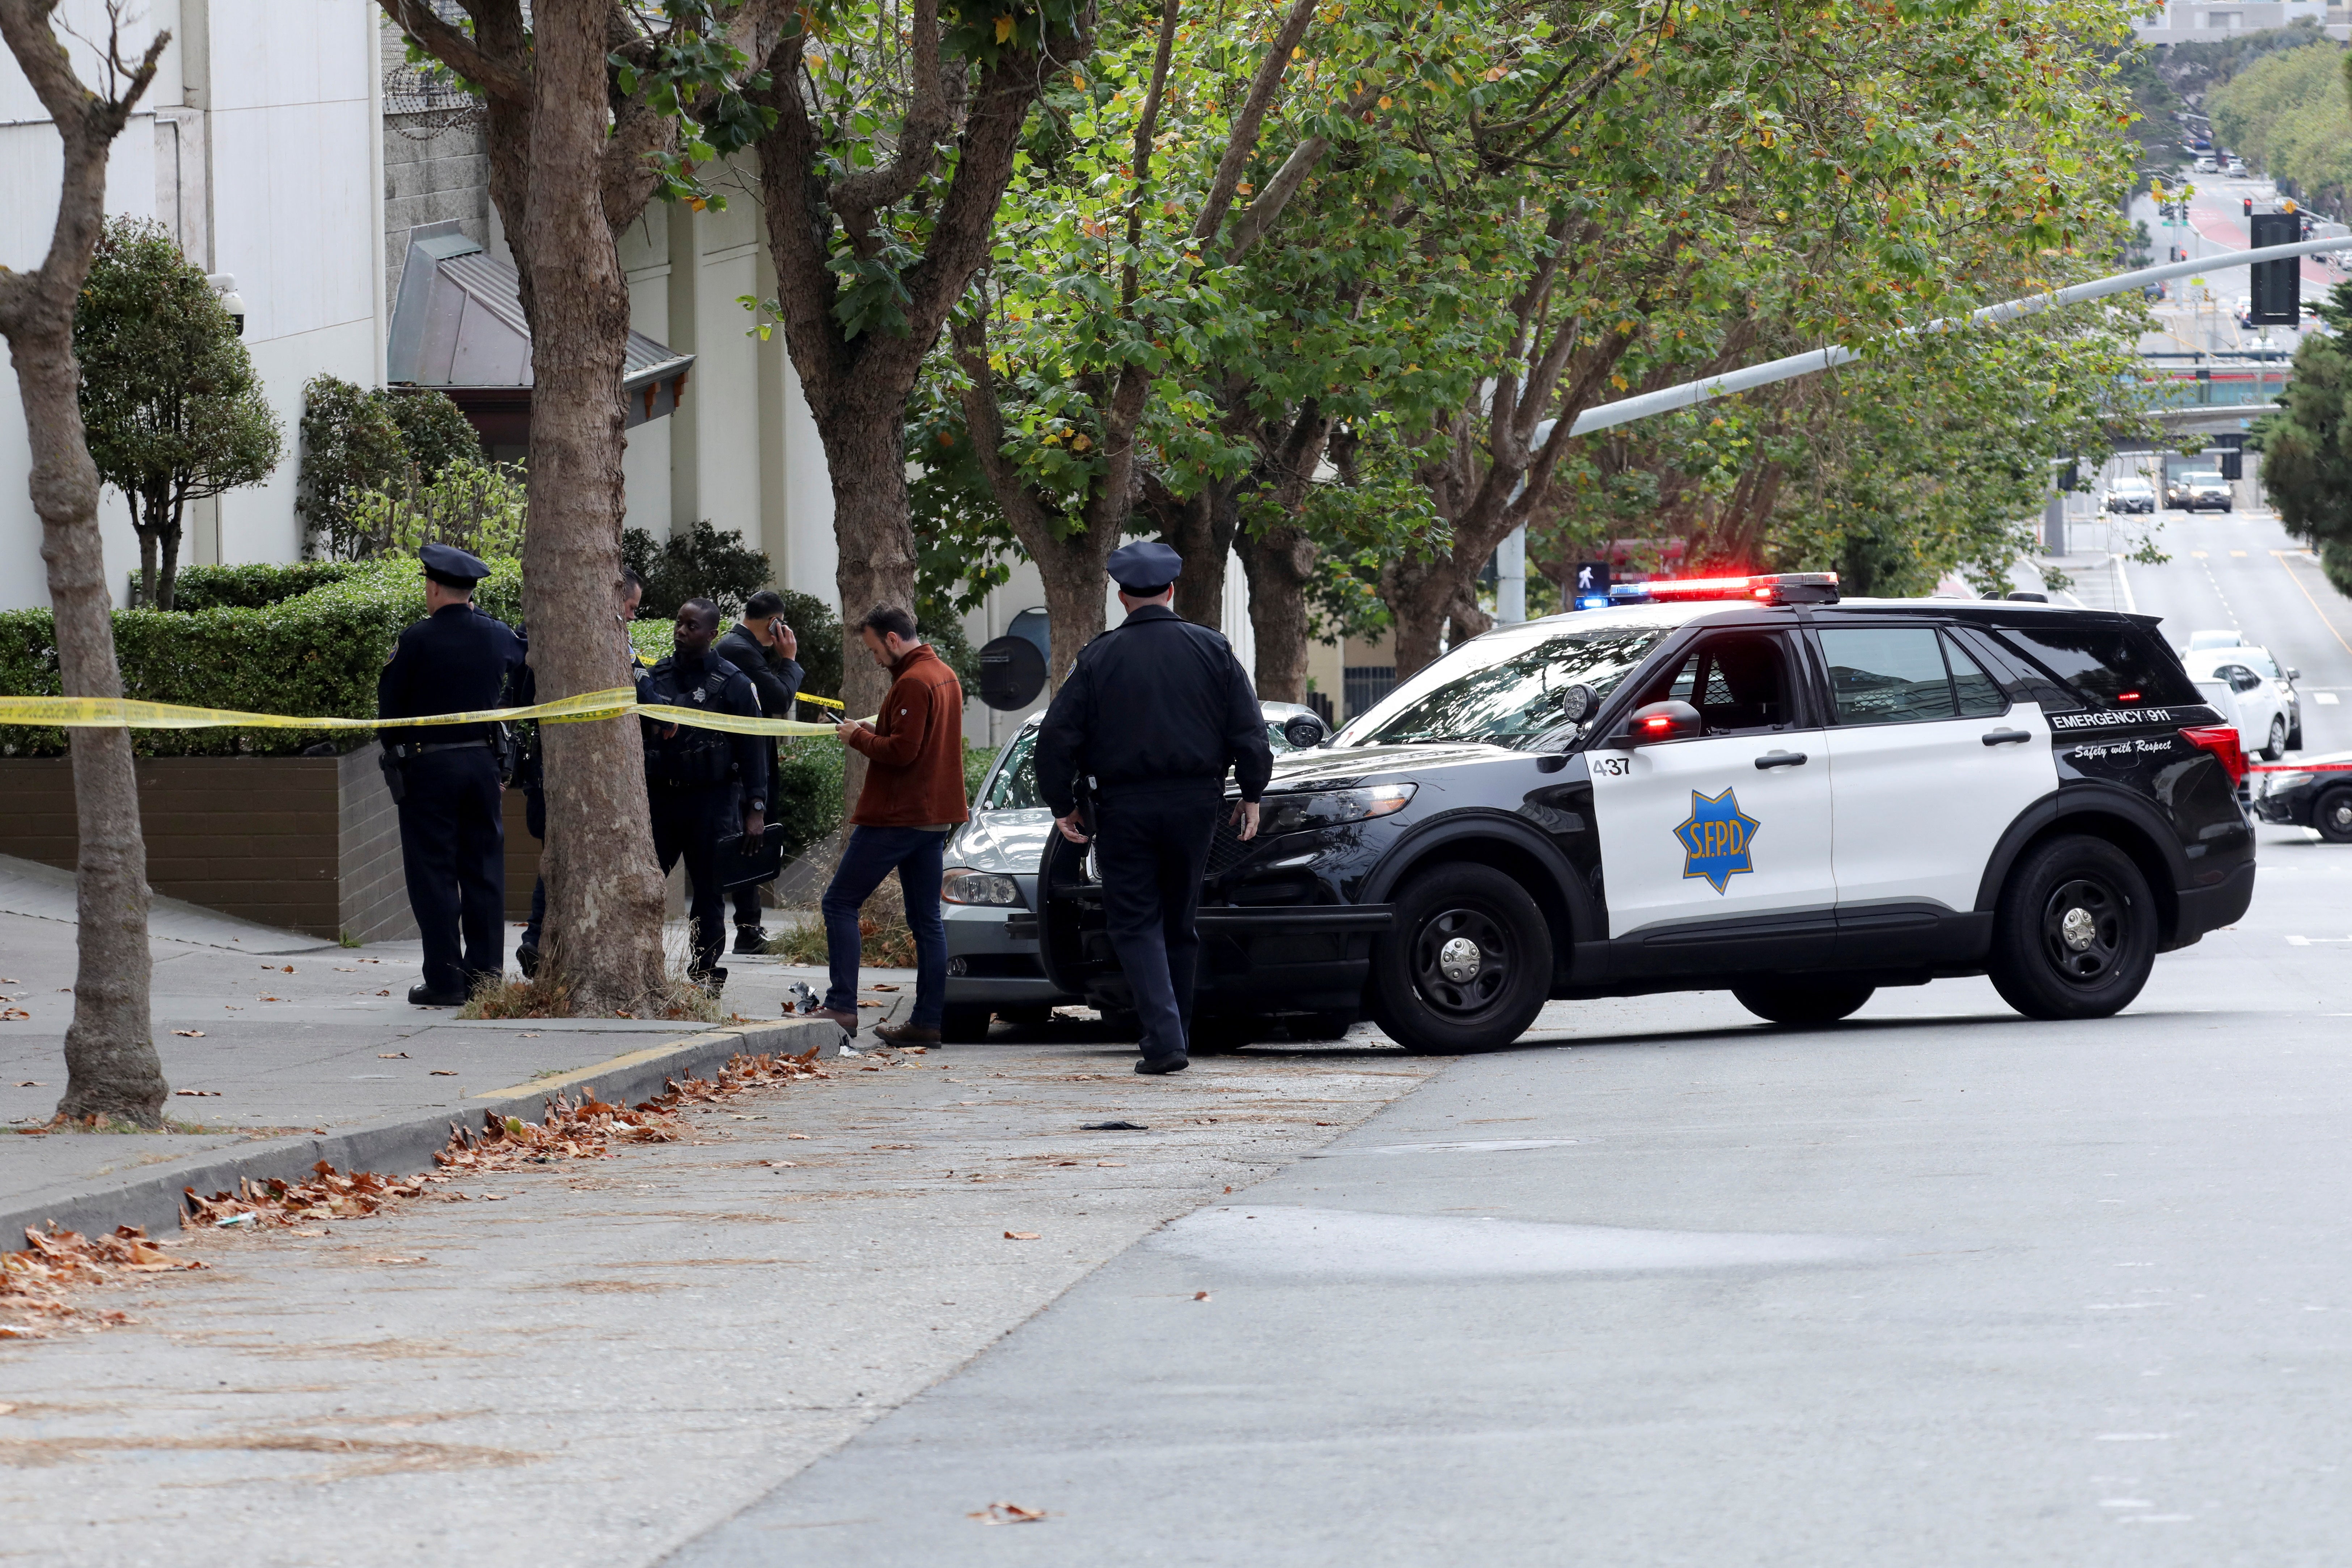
1764	587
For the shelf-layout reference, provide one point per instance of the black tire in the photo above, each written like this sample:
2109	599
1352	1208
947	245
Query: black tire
1803	1003
1434	996
964	1023
2075	934
2294	737
2331	813
2277	739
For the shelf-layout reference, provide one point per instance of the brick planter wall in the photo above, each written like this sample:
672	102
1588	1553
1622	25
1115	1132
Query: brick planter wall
307	844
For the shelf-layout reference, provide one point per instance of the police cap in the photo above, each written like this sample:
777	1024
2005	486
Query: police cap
452	567
1146	567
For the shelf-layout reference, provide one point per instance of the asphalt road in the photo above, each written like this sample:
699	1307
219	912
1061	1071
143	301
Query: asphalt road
1938	1286
2236	569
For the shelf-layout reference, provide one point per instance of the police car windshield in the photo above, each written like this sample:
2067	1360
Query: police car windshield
1505	688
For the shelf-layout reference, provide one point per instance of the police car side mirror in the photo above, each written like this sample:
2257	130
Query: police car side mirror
1667	720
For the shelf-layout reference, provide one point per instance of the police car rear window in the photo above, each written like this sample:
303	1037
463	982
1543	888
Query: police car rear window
2105	666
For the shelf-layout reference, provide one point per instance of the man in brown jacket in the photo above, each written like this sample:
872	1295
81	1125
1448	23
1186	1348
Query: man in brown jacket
912	800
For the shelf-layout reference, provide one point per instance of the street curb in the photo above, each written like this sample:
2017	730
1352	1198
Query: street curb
400	1145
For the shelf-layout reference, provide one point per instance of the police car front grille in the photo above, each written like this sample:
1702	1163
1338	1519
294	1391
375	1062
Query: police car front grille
1226	849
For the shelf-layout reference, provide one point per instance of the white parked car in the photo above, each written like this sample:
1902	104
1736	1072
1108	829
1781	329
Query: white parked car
2226	677
2257	658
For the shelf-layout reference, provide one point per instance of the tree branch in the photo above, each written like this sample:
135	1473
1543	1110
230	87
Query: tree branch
1244	141
858	197
493	71
1146	126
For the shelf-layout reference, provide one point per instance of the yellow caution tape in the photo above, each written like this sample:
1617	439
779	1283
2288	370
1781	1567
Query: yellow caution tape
124	713
822	702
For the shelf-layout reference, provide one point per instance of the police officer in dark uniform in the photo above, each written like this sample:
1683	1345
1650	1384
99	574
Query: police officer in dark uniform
703	784
1152	714
445	777
763	648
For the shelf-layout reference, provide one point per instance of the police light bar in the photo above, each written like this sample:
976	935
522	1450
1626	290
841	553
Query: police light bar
1765	587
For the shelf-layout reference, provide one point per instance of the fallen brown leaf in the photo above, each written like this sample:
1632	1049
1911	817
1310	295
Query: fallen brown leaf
14	1013
445	1072
32	1083
881	988
894	1145
1021	1235
396	1260
869	1003
802	1136
1007	1513
190	1034
199	1093
1200	1295
390	1056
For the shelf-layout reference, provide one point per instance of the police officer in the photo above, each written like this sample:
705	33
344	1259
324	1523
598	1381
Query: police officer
765	649
445	777
703	784
1152	714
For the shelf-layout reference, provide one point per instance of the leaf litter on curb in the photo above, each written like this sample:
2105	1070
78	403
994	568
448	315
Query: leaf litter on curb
1007	1513
33	1282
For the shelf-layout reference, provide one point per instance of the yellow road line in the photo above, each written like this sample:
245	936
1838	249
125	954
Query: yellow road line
2280	556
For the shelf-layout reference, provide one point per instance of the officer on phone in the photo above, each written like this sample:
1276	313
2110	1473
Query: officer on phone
1152	714
458	660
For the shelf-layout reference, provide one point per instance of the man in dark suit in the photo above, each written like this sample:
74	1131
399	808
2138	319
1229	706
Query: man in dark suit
764	649
1152	714
458	660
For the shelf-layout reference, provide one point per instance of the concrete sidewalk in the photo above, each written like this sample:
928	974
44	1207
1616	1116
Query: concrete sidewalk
282	1049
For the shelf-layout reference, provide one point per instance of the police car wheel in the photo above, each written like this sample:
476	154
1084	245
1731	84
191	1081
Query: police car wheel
1800	1002
1468	964
2076	934
2333	816
2276	748
965	1025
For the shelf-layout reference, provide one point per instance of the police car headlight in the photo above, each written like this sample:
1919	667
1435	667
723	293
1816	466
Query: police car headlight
964	886
1329	807
2279	783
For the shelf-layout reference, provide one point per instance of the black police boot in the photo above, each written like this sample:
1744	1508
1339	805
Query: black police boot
421	996
711	981
1176	1064
751	939
527	958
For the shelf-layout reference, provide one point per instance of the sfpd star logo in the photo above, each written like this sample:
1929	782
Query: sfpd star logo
1714	839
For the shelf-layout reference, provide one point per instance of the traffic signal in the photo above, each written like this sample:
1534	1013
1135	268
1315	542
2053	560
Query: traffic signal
2233	453
1592	586
2276	286
2250	206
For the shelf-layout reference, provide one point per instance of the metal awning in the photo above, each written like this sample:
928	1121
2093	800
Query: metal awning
458	328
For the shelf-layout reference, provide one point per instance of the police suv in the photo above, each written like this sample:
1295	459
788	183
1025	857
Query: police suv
1743	784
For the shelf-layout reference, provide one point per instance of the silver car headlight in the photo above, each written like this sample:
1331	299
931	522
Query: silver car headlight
963	884
1329	807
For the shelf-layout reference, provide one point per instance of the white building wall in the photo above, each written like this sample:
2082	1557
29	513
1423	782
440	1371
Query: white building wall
276	106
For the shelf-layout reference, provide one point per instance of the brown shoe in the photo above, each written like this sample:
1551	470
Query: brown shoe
848	1021
904	1035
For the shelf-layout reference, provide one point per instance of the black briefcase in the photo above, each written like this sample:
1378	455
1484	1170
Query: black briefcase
743	865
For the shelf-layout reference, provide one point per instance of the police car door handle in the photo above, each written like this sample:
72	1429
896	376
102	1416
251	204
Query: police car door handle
1771	760
2006	737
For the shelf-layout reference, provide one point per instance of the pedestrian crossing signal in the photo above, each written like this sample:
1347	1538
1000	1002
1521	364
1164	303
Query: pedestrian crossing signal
1592	586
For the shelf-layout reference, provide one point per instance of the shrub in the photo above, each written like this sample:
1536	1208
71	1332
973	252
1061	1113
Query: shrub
701	563
355	441
315	653
476	506
251	588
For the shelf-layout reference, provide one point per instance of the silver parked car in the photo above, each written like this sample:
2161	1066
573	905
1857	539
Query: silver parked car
989	895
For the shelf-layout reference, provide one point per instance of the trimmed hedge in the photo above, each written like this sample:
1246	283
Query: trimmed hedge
252	587
315	653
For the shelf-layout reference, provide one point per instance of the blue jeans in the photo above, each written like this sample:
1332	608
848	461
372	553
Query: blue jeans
871	854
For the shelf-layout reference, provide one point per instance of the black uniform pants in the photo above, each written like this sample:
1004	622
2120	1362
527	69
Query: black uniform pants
689	823
453	853
1150	847
747	898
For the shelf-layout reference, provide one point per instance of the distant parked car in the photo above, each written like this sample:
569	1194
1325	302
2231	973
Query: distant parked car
2131	493
2259	660
2234	165
2254	703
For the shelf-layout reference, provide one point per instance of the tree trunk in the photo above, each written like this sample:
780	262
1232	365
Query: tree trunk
1202	530
1279	562
146	556
875	565
604	884
167	579
112	1067
1076	573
